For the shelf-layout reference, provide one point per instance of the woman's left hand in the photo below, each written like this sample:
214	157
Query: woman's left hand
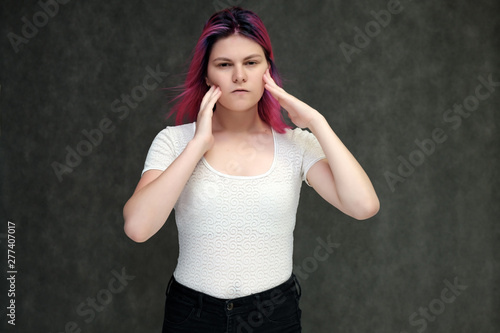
299	112
339	179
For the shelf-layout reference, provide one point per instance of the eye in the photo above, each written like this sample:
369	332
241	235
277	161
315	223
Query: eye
223	64
252	63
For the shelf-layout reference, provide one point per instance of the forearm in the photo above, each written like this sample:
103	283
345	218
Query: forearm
353	187
149	207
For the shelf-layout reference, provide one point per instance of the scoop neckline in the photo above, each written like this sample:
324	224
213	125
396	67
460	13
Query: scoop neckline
271	168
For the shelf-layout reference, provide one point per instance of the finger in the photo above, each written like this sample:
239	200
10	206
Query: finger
208	96
208	93
273	89
269	81
216	94
269	88
205	97
267	76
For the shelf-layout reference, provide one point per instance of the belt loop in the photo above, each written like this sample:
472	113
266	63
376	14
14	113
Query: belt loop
297	286
256	301
170	283
200	305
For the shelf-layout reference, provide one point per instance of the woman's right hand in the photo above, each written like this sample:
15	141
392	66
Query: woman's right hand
158	191
203	133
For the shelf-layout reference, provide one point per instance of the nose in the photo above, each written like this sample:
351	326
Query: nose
239	74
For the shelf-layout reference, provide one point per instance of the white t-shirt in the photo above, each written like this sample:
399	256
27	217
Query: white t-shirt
236	232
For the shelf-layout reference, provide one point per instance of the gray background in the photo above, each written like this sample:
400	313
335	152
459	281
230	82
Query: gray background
440	224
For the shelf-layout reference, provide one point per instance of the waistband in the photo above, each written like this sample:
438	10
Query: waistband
279	294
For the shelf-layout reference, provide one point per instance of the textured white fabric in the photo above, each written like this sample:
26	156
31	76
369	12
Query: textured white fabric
236	232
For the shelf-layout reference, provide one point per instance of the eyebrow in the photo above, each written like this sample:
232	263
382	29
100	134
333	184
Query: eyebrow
246	58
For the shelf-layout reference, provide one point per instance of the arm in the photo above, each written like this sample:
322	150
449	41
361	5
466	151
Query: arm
157	192
339	179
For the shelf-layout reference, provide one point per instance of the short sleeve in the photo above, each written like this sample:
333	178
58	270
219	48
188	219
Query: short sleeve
162	151
311	151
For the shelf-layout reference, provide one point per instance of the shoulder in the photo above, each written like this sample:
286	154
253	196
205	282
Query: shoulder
179	130
304	143
176	134
298	136
297	133
173	139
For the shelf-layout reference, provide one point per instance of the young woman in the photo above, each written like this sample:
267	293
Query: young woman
232	169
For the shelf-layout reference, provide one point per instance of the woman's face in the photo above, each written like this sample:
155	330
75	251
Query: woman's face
237	65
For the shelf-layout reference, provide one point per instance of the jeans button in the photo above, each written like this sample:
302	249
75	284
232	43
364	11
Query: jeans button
230	306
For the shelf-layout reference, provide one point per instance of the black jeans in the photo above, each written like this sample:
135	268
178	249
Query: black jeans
273	310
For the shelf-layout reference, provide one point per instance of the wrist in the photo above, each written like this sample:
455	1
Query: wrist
197	147
316	122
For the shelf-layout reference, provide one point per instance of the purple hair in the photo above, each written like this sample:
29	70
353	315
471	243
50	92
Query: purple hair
220	25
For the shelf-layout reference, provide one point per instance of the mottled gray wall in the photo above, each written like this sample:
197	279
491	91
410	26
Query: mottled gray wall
385	91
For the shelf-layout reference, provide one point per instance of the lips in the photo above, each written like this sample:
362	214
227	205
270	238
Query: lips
239	90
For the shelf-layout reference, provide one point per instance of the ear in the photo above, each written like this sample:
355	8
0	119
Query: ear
207	82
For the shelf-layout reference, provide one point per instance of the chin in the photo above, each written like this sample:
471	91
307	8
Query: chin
239	107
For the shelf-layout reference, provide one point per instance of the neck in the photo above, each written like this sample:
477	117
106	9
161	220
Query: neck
237	121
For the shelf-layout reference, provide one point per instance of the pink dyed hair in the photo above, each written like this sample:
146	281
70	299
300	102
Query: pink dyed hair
220	25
